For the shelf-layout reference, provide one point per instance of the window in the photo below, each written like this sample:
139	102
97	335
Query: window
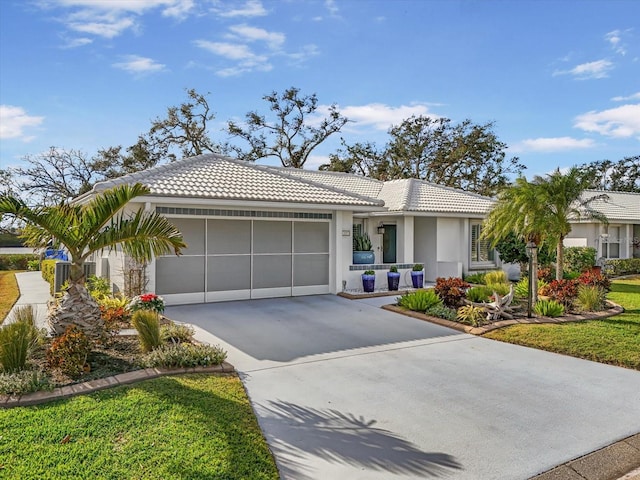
611	243
481	251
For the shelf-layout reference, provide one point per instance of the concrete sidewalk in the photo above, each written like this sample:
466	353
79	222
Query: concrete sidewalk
34	290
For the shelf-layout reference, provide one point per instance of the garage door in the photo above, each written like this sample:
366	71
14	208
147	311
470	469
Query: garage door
230	259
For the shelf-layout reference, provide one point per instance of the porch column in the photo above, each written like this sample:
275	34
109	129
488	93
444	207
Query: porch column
407	240
341	250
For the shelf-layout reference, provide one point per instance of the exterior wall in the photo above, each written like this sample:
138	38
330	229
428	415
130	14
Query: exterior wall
452	246
593	235
425	245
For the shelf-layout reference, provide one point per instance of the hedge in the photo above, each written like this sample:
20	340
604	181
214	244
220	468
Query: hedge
48	268
623	266
16	261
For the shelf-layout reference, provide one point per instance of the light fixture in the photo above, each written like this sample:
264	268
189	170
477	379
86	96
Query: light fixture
380	228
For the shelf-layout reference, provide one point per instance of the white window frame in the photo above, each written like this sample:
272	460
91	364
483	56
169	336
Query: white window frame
477	247
608	240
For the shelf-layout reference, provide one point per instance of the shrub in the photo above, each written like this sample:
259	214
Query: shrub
114	302
25	381
98	287
471	315
369	272
184	355
418	267
477	278
16	261
419	300
579	259
148	326
176	333
451	290
546	273
595	279
441	311
549	308
522	287
147	301
33	265
115	318
496	276
68	353
393	269
626	266
17	341
500	288
48	269
479	294
590	298
562	291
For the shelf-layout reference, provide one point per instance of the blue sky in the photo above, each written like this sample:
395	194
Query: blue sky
561	79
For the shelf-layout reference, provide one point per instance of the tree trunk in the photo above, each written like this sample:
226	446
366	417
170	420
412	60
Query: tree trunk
560	259
77	307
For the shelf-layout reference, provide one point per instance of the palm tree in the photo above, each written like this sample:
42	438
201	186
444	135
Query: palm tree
563	196
539	211
85	228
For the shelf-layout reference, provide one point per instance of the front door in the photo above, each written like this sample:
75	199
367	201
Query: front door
389	244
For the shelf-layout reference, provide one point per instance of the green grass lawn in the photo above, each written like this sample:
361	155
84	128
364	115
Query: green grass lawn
615	340
184	427
9	292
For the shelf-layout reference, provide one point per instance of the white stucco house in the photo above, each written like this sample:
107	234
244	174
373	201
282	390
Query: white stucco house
621	237
255	231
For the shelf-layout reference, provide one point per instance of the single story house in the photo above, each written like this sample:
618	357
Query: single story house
621	237
255	231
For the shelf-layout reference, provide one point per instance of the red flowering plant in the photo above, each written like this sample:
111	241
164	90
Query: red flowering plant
595	279
451	290
562	291
147	301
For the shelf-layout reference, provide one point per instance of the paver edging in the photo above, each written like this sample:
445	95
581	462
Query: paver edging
127	378
613	310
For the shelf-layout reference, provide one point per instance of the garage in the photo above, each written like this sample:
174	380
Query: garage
242	258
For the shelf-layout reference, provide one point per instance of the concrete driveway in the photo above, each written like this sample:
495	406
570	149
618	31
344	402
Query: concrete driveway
345	390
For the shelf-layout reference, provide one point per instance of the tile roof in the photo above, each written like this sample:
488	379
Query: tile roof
368	187
216	177
619	205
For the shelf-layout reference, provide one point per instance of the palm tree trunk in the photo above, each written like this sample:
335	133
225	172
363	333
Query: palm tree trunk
77	307
560	259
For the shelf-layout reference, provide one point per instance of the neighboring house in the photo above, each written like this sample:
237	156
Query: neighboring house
255	231
621	237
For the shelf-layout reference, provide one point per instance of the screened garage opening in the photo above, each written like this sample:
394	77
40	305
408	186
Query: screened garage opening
232	259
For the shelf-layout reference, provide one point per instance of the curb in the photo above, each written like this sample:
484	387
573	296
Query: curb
135	376
608	463
610	312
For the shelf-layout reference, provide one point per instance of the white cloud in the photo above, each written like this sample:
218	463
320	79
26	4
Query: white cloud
77	42
620	122
138	65
379	115
553	144
105	28
314	161
584	71
274	40
14	120
251	8
634	96
614	38
332	7
247	61
304	54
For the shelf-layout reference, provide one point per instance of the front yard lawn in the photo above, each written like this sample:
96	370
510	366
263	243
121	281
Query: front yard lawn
614	340
184	427
9	292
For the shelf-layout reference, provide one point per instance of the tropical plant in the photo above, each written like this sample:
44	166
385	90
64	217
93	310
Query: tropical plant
495	276
420	300
17	342
562	291
147	301
522	287
441	311
393	269
549	308
475	278
98	287
176	333
362	243
471	315
85	228
369	272
596	279
579	259
68	352
418	267
147	324
479	294
590	298
451	290
499	288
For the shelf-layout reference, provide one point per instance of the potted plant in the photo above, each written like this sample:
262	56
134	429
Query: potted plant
417	275
362	249
368	281
393	278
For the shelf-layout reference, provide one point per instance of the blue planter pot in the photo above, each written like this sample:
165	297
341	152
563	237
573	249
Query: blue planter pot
417	278
393	280
362	258
368	283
